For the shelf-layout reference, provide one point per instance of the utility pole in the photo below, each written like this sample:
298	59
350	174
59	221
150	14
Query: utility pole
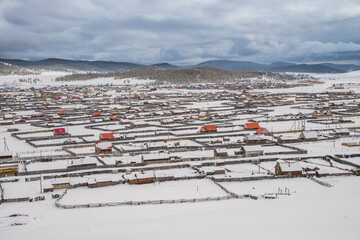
41	188
6	147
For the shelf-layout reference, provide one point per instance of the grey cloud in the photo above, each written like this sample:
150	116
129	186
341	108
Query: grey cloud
178	31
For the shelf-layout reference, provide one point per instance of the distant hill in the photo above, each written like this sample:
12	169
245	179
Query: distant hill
281	67
9	69
306	68
165	66
179	75
343	67
54	64
235	65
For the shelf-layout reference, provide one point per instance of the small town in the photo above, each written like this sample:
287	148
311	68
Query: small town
217	137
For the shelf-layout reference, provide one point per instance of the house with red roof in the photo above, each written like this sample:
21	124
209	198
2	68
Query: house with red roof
251	125
262	130
59	131
208	128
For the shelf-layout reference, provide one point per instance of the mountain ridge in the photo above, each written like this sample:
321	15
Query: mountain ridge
56	64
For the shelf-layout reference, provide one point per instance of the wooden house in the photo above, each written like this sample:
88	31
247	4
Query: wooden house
254	139
103	147
252	151
100	182
208	128
96	114
308	136
141	178
61	183
321	113
220	153
287	168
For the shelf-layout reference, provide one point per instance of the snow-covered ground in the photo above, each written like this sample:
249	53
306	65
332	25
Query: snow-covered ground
311	211
315	212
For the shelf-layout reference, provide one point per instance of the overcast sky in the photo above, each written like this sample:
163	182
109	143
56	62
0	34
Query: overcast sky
180	32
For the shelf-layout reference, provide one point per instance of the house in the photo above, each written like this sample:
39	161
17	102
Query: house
308	136
109	136
287	168
212	170
208	128
100	182
141	178
254	139
135	124
103	147
251	125
252	151
287	138
62	112
96	114
161	157
263	131
220	153
320	113
59	131
61	183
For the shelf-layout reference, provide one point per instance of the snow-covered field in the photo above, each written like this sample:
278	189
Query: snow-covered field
158	191
315	212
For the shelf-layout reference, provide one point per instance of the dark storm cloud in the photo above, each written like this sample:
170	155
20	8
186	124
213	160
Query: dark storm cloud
177	31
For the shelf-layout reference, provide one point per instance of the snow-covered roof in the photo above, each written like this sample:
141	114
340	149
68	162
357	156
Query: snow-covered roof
103	145
290	166
309	134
